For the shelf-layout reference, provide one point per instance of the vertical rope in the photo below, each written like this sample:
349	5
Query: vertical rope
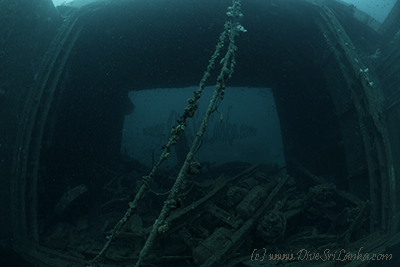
232	29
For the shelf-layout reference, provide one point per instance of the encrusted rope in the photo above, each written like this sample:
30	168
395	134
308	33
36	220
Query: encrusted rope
232	28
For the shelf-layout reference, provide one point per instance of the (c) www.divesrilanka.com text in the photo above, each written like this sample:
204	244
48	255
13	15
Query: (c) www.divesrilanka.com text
327	255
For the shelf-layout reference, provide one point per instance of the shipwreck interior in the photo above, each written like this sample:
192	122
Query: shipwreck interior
92	98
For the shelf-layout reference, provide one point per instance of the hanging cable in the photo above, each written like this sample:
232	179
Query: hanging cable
232	28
